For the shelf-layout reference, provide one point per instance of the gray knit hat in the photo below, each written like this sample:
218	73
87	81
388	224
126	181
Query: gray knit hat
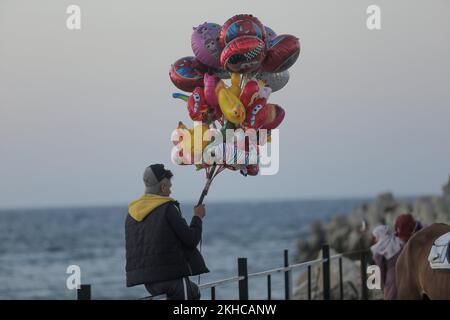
155	173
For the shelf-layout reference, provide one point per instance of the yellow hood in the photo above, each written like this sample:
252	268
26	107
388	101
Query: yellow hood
143	206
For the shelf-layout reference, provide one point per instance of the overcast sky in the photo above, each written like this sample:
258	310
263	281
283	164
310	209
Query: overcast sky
82	113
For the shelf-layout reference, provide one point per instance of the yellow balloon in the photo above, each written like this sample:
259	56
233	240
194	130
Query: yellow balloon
235	84
232	108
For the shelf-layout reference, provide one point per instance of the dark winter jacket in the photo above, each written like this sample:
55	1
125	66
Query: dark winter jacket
160	245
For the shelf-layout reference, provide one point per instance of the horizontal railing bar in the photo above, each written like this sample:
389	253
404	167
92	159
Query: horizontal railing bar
307	263
267	272
336	256
284	269
220	282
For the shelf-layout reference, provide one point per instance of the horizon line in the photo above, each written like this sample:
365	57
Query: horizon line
225	201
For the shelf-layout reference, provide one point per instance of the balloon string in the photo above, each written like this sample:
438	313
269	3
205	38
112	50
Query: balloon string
212	172
218	171
210	177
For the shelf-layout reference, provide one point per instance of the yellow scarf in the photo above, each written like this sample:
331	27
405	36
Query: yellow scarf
143	206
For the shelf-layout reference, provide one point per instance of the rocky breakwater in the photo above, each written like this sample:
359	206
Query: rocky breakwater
352	232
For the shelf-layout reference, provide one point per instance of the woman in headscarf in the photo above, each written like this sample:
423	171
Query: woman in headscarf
385	252
406	225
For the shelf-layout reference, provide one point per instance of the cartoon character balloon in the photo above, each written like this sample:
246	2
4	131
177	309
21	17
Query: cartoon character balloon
282	53
241	25
197	106
206	45
243	54
256	114
187	74
232	108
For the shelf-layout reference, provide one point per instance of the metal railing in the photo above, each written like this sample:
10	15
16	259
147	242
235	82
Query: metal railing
84	293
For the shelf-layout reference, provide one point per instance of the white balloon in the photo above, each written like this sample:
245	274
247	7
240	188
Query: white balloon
274	80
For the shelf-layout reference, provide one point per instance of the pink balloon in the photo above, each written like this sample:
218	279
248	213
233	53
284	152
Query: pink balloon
210	89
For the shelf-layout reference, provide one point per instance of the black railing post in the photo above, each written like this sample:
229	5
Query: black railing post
341	281
326	272
84	292
243	284
287	274
269	288
213	293
364	294
309	282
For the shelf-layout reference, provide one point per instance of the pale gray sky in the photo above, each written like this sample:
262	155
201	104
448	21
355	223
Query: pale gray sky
83	112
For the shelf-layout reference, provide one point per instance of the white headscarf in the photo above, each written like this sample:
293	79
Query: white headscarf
388	245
